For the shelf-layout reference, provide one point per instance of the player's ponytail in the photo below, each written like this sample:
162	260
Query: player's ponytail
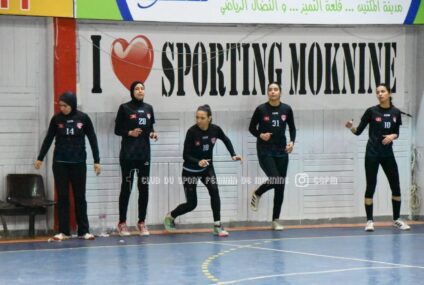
207	109
391	98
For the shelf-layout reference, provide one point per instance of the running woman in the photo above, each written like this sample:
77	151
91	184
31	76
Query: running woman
69	128
134	123
268	125
384	122
198	148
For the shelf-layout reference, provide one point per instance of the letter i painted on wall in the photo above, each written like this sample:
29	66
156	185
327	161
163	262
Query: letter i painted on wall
96	64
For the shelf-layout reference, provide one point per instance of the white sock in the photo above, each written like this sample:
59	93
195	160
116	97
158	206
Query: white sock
217	223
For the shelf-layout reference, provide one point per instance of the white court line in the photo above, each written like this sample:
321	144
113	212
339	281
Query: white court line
338	257
200	242
389	265
326	237
304	273
329	256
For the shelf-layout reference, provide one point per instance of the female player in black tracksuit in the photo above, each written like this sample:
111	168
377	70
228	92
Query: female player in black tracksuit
134	123
70	127
268	125
198	148
384	122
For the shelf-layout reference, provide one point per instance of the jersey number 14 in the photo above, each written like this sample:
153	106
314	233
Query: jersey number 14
70	131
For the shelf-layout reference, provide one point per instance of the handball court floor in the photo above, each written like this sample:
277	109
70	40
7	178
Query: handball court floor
343	254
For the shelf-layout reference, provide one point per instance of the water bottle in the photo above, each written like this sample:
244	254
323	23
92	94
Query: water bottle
34	192
103	225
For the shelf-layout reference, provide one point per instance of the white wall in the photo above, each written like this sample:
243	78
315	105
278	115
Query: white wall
23	97
420	112
324	149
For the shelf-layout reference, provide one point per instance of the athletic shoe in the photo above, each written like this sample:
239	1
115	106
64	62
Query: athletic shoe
276	226
219	231
123	229
169	223
87	236
370	226
400	224
60	237
142	228
254	203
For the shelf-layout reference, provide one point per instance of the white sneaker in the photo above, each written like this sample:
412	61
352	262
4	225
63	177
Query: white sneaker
370	226
401	225
254	203
87	236
142	229
60	237
277	226
123	230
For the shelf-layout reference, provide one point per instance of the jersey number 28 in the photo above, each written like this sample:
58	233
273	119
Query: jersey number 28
142	121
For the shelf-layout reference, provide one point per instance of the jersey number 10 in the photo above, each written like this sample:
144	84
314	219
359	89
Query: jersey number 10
387	125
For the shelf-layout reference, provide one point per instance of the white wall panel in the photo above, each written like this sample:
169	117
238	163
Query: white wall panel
23	94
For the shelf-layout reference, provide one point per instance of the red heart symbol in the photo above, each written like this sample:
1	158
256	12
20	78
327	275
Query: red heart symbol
132	61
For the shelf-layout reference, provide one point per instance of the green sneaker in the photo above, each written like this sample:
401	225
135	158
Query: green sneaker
219	231
169	223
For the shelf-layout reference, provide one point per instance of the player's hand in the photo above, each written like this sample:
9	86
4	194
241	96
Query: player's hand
135	133
289	147
265	136
389	138
37	164
204	163
349	124
154	136
237	158
97	168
